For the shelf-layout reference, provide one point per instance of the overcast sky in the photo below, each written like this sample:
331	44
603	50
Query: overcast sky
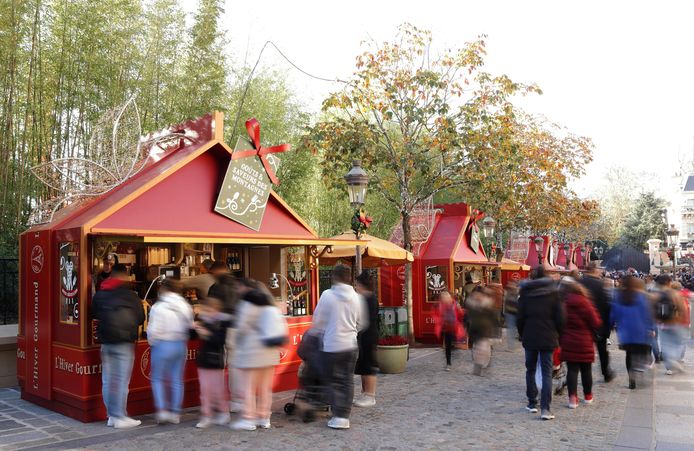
620	72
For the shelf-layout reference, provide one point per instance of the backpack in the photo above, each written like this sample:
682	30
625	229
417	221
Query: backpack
272	327
119	323
665	308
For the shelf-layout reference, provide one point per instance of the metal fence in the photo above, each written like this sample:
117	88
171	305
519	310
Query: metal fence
9	290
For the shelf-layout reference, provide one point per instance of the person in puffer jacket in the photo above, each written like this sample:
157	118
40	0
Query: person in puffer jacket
576	342
540	322
168	329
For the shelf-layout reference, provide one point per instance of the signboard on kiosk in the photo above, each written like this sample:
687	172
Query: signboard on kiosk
37	321
248	180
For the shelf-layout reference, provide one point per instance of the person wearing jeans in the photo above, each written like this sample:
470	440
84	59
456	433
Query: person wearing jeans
119	314
340	315
531	358
540	321
116	367
168	329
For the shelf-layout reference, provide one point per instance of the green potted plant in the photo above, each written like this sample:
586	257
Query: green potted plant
392	354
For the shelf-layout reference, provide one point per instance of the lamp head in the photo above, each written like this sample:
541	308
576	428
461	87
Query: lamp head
488	225
357	182
274	281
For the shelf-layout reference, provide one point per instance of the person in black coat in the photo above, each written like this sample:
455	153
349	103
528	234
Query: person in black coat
593	282
119	313
368	340
211	328
540	322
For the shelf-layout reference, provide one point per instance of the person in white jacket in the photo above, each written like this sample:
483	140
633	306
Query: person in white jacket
340	315
168	330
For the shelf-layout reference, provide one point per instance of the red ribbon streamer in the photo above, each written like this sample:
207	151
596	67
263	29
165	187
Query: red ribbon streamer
253	128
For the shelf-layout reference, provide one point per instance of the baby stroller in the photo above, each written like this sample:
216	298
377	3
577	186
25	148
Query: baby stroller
309	398
558	374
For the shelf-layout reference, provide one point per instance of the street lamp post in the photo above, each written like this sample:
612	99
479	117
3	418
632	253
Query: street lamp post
539	246
357	181
672	238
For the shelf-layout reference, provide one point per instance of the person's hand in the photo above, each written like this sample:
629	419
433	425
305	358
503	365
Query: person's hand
201	331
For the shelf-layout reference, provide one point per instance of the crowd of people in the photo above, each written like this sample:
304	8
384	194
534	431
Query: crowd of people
560	320
241	330
564	319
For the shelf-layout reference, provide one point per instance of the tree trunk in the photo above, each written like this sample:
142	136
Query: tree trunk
407	241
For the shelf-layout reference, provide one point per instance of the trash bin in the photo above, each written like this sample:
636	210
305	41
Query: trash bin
387	321
401	321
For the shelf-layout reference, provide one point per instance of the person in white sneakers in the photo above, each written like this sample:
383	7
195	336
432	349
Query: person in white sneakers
366	365
340	315
261	331
211	327
168	330
119	313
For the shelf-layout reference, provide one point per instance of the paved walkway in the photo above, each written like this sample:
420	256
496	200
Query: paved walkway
424	408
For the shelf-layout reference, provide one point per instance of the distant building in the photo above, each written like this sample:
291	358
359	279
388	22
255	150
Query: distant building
687	211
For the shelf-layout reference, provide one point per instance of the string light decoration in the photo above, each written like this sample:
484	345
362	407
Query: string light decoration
115	153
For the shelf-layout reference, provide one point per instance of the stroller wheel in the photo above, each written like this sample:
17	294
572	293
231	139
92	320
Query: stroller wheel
289	408
308	416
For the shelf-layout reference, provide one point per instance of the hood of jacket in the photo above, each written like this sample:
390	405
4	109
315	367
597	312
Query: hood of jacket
343	290
111	284
539	286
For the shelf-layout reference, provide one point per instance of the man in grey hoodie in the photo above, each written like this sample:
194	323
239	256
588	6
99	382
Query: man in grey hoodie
340	315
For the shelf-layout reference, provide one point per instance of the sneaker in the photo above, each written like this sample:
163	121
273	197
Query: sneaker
244	424
235	407
532	408
125	423
588	399
338	423
221	418
263	423
547	415
448	367
573	402
204	423
162	416
174	418
109	423
365	401
669	372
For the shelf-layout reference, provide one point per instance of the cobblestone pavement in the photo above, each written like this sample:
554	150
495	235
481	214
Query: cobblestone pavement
424	408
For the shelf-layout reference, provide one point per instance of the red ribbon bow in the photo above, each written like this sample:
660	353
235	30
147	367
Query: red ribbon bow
253	127
476	216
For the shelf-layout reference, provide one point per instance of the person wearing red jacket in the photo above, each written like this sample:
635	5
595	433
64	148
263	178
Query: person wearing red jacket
576	341
448	324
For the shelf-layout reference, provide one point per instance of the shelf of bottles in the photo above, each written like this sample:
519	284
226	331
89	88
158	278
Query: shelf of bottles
297	307
234	260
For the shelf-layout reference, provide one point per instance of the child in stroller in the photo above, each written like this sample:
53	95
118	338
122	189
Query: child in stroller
310	396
